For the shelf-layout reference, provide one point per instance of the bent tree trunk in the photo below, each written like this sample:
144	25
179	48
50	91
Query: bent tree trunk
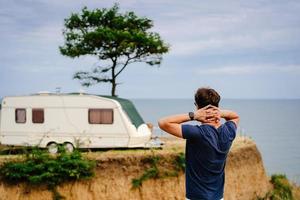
113	88
113	79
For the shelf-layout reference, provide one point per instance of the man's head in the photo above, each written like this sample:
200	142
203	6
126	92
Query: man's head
206	96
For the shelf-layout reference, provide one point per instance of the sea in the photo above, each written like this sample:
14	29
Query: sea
273	124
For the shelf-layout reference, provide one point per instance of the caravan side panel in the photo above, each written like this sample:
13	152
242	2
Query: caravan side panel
65	120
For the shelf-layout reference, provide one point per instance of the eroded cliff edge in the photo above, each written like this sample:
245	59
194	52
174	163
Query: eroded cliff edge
245	176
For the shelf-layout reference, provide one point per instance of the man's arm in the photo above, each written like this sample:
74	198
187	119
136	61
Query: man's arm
172	124
229	115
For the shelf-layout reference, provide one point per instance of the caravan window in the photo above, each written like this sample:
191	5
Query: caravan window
20	115
37	115
101	116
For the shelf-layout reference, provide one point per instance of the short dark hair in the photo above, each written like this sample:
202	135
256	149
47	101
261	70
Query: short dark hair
207	96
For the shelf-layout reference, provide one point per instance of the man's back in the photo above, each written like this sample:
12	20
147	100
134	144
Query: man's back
206	147
206	151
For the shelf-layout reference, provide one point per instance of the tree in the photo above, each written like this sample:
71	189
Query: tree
116	39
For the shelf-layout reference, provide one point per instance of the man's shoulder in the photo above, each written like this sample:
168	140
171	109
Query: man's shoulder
190	131
231	125
229	130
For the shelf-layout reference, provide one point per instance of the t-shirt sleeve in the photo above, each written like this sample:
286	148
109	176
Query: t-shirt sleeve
231	126
190	131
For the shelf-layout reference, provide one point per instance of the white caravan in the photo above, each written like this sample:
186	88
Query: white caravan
74	120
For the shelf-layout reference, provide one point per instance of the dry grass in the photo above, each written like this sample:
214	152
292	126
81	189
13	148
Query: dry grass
296	191
2	147
172	144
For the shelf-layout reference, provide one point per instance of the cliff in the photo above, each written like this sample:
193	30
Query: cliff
245	176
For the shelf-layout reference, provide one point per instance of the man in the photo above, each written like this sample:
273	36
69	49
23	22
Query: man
207	145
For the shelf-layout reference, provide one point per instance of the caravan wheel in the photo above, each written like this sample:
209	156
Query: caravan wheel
68	147
52	148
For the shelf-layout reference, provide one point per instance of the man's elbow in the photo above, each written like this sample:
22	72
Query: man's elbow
161	124
164	125
236	119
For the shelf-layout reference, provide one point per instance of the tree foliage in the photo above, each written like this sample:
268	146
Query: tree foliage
116	39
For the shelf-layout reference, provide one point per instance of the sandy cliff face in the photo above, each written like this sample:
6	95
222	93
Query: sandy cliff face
245	177
245	174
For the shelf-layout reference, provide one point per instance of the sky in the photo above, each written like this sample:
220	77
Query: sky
242	49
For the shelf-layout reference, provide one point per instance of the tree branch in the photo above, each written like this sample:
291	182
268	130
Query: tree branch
125	64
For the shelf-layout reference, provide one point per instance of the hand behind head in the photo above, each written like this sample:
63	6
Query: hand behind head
213	114
208	114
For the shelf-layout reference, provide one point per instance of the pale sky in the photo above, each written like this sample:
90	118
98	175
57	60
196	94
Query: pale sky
243	49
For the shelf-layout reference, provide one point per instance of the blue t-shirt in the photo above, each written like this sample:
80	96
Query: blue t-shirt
206	152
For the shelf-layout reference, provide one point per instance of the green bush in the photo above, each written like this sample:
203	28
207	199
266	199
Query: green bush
179	162
282	188
41	168
154	172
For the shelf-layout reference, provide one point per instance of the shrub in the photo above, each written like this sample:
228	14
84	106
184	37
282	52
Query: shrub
41	168
282	188
154	172
179	162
